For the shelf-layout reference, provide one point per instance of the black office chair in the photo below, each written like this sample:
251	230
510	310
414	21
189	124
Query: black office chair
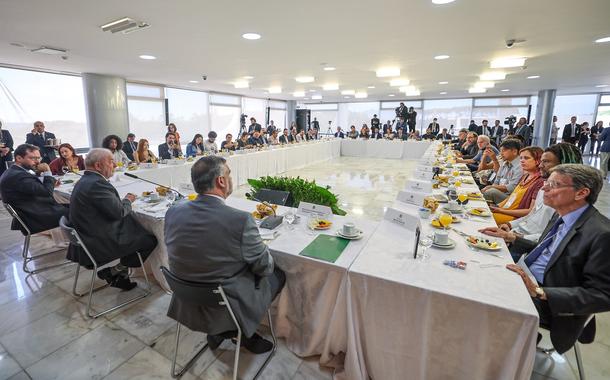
27	256
275	197
208	295
76	240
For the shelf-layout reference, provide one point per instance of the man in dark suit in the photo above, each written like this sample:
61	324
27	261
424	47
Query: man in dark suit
434	126
254	126
6	148
40	138
444	135
571	132
170	149
496	132
256	139
234	256
315	124
339	133
105	222
570	263
130	146
22	188
375	122
401	111
285	137
411	119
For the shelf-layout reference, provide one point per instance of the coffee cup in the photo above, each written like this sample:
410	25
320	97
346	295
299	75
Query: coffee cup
441	237
453	205
154	196
349	229
424	213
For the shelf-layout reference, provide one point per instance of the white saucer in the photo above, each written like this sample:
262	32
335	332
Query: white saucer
357	236
448	246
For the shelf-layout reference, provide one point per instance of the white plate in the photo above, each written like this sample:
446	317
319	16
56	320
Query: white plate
359	235
448	246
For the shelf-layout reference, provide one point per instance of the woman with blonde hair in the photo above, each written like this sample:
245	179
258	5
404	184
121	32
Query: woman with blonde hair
143	155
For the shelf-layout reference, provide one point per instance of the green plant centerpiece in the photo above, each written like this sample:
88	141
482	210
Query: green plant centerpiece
300	190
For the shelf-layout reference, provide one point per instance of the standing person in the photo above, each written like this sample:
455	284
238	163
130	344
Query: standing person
523	130
68	161
554	131
171	128
485	128
130	146
571	132
411	119
114	144
583	140
254	126
451	129
401	111
315	124
473	127
496	133
434	126
596	131
604	140
6	148
375	122
40	138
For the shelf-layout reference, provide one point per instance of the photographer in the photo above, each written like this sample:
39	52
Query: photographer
254	126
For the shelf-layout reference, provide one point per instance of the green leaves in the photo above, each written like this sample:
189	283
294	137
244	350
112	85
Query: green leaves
300	190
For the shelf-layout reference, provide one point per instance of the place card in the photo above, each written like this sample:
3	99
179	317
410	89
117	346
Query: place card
419	185
426	176
311	209
412	197
406	221
424	168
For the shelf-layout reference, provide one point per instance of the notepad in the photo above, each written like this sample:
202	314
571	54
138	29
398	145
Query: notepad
325	247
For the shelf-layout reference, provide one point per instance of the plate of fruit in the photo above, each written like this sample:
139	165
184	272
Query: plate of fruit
262	211
483	243
435	223
479	211
320	224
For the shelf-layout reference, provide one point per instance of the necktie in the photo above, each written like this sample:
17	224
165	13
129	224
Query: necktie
573	130
544	244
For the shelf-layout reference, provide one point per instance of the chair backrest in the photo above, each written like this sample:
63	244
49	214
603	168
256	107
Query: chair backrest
74	237
276	197
14	214
198	293
9	164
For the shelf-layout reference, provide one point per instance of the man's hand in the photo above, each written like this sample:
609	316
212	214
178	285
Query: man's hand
529	284
508	236
130	197
41	168
486	188
490	153
505	227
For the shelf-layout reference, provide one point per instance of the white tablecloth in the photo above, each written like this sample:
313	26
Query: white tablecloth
431	321
395	149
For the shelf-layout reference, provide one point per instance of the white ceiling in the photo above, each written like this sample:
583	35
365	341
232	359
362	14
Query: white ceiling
196	37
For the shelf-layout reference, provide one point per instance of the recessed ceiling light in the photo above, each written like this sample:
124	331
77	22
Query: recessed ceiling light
148	57
241	84
441	2
330	68
441	57
399	82
305	79
371	87
298	94
443	82
194	81
360	95
348	92
493	75
533	77
405	88
330	87
251	36
505	90
476	90
602	40
444	93
601	85
412	92
391	95
316	97
484	84
388	72
275	90
503	63
248	77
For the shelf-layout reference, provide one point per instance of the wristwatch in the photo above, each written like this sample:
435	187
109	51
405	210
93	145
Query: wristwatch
539	292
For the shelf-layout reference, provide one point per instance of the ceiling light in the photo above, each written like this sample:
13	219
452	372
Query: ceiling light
601	85
388	72
533	77
444	93
251	36
476	90
50	50
147	57
399	82
330	87
348	92
441	57
361	95
248	77
484	84
502	63
405	88
371	87
391	95
412	92
505	90
298	94
241	84
316	97
330	68
305	79
493	75
193	81
275	90
602	40
125	25
443	82
442	2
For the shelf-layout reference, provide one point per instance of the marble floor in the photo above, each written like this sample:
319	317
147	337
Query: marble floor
44	333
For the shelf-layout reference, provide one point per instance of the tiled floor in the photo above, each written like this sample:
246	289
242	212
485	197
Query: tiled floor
44	333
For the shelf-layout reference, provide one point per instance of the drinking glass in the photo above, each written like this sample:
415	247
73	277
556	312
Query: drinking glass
171	197
445	220
289	217
425	242
462	198
65	169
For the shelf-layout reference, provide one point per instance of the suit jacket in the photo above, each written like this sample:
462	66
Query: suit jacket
340	135
33	200
223	246
435	128
254	127
411	118
164	152
7	139
129	151
576	279
525	131
567	133
284	139
47	153
314	124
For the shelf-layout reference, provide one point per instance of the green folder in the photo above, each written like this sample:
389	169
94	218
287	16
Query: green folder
325	247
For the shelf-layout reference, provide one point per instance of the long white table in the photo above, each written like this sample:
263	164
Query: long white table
395	149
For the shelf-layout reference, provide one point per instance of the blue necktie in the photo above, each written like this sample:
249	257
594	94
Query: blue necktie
536	252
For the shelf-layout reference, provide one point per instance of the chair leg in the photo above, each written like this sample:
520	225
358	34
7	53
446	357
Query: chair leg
28	258
237	349
190	363
272	353
581	368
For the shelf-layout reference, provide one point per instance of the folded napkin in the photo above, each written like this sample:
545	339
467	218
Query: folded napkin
268	234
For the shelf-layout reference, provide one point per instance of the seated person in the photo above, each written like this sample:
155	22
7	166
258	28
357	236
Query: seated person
312	134
507	174
429	135
28	187
389	134
521	200
376	135
401	135
339	133
94	203
143	154
414	135
242	143
461	139
469	149
444	135
170	148
301	136
531	226
285	138
364	132
130	146
68	161
256	139
570	261
482	143
240	261
210	144
228	144
114	144
353	133
274	139
293	135
195	147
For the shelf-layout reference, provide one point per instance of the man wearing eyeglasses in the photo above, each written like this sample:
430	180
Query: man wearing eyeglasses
569	266
28	187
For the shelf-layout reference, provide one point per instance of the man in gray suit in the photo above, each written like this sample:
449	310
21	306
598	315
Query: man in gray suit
208	241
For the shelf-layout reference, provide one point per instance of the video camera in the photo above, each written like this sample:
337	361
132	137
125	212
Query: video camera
511	120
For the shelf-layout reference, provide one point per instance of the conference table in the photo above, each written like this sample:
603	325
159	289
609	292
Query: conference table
394	149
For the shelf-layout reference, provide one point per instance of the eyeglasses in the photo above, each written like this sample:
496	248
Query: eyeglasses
554	185
35	158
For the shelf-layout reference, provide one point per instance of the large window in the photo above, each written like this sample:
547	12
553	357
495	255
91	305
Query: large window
225	119
603	112
581	106
57	100
448	112
189	111
388	111
356	114
255	108
278	117
146	108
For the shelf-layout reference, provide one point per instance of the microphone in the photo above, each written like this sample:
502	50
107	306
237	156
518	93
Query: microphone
270	222
154	183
